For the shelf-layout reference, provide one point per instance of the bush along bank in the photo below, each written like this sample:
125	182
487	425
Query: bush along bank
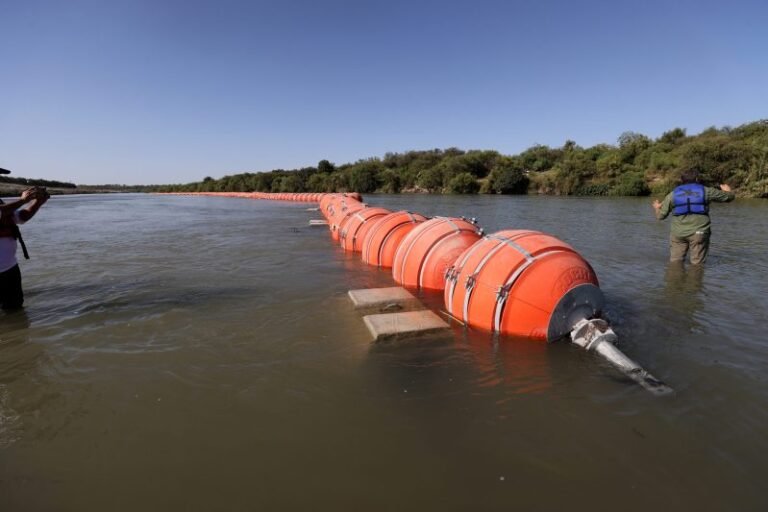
635	166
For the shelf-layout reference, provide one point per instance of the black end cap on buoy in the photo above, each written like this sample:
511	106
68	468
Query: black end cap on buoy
582	302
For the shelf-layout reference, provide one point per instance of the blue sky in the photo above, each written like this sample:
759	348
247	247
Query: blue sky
140	92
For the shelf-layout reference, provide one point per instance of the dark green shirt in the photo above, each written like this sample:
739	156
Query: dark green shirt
686	225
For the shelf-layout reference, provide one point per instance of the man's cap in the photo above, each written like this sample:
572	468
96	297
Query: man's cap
4	171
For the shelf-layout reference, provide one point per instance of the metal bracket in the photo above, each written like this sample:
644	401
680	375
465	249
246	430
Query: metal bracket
597	336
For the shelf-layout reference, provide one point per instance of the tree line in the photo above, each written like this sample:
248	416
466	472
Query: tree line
36	182
636	165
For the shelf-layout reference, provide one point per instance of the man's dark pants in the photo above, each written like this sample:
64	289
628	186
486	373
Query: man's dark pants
11	294
698	244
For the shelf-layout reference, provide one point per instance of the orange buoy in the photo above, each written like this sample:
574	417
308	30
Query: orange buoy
384	237
325	201
430	249
341	214
337	222
522	283
354	230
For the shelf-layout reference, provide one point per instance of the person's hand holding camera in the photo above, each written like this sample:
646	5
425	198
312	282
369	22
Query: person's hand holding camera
29	194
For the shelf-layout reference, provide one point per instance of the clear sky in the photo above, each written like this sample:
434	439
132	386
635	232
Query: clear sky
171	91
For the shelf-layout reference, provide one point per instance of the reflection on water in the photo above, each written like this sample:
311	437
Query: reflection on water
518	368
683	291
201	354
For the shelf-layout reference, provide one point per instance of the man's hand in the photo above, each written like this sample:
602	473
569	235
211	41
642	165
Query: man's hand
724	187
29	194
656	204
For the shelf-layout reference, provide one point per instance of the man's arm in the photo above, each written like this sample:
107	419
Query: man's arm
663	208
39	200
26	196
724	195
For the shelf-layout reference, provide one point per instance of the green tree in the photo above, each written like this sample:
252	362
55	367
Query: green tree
609	164
539	158
631	184
673	136
478	163
318	183
338	182
325	167
717	158
390	181
431	179
291	183
632	144
448	168
508	177
463	183
575	168
363	177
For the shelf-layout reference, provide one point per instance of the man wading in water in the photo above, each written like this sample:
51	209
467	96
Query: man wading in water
689	205
11	214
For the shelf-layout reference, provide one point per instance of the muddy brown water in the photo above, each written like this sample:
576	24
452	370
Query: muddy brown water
182	353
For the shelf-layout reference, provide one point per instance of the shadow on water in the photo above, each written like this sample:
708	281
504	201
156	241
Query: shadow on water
675	306
683	286
467	361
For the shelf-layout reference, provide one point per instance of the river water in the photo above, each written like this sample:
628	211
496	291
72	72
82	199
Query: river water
192	353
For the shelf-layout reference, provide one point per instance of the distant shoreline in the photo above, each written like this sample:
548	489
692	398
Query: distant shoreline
14	190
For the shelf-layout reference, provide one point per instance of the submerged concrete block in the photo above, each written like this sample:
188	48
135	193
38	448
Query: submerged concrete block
384	300
394	326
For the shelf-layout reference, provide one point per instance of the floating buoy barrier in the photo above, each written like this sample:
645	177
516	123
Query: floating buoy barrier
429	250
384	237
357	226
513	282
522	283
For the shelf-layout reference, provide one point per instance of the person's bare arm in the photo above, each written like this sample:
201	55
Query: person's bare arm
26	196
39	200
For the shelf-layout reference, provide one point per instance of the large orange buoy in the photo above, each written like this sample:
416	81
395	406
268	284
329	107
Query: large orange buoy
325	201
384	237
341	210
522	283
430	249
354	230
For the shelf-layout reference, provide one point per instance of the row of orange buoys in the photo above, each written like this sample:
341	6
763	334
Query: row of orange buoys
515	282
